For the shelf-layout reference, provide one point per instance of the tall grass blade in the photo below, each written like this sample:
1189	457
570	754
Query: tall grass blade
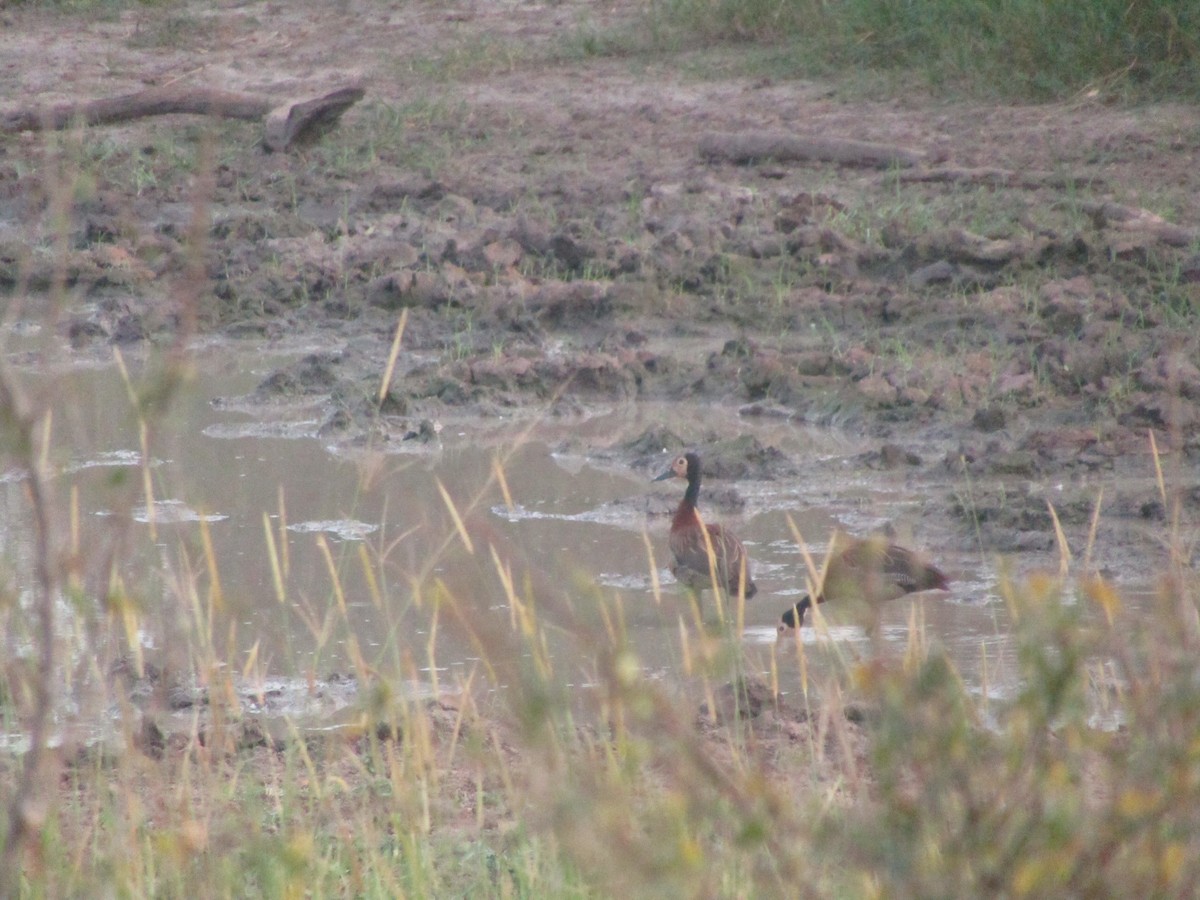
393	355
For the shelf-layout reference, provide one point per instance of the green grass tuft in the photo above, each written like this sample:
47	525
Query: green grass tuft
1013	48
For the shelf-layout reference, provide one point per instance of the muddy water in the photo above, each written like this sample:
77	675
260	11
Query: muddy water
582	534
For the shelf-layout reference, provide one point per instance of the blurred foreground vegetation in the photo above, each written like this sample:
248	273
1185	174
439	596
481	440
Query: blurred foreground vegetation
878	776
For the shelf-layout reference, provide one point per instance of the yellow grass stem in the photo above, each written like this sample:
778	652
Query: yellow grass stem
119	359
802	657
393	355
184	586
712	567
43	462
273	558
1158	471
310	766
1064	550
431	650
655	585
815	575
464	692
320	630
622	630
248	668
283	541
1100	592
143	441
504	573
685	648
361	667
368	569
216	596
147	481
331	566
610	626
916	649
129	619
458	521
498	472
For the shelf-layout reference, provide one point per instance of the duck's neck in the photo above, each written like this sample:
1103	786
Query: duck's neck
685	515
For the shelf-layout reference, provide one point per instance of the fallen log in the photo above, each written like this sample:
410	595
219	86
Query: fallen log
285	123
756	146
987	176
1131	228
305	120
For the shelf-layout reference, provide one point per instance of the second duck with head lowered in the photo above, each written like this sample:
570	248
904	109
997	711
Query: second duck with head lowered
729	564
866	572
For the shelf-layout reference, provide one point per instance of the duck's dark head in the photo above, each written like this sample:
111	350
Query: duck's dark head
685	466
793	616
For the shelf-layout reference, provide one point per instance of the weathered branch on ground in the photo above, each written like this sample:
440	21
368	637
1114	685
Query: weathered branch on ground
994	177
961	246
1132	220
285	123
757	146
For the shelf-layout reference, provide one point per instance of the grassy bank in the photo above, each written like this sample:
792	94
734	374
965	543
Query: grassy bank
1023	49
996	49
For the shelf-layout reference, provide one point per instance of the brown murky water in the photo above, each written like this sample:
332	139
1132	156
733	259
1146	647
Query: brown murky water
577	537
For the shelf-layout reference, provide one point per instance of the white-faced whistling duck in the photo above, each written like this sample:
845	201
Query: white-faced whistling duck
689	547
867	572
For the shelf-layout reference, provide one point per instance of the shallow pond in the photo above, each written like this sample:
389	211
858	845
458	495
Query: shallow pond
334	559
